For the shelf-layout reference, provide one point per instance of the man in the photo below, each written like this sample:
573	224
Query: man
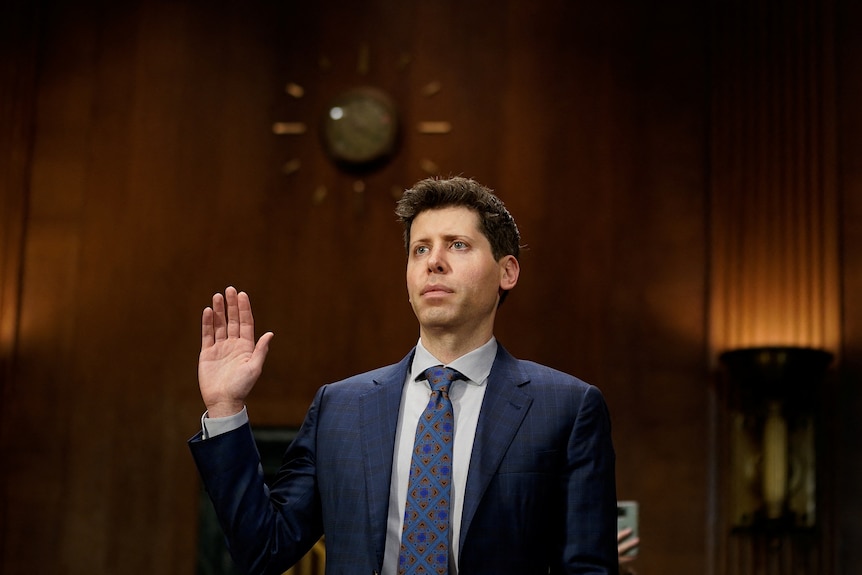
532	465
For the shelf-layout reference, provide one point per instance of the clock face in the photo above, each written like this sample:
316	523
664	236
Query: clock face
360	127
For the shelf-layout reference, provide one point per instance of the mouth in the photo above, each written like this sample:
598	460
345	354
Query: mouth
435	290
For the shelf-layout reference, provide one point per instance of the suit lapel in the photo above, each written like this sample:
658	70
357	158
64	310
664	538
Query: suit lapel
503	409
378	418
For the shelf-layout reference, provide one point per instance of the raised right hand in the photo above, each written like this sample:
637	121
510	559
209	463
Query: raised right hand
230	362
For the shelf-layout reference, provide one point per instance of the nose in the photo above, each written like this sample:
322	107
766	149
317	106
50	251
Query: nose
436	260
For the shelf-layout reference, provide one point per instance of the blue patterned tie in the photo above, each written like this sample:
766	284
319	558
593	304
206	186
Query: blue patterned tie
425	539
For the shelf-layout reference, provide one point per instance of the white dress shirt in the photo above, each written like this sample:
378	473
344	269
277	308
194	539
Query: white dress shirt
466	397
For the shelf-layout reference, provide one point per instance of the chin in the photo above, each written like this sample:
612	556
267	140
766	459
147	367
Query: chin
433	318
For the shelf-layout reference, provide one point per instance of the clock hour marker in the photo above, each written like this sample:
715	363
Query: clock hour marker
434	127
295	90
363	60
291	166
289	128
403	61
319	194
431	88
429	167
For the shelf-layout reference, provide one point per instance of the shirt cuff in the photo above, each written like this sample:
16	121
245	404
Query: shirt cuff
212	426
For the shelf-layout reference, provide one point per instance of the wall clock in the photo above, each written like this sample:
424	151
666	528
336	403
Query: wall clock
360	128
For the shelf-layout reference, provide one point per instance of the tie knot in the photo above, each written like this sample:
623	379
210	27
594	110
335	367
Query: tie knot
440	377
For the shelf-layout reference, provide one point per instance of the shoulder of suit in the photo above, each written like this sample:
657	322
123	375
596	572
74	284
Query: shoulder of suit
538	372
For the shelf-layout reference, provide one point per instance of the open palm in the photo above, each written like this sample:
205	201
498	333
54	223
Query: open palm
230	362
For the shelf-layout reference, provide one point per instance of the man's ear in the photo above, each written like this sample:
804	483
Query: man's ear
511	270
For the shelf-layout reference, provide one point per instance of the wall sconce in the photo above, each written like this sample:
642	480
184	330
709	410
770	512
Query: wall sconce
773	400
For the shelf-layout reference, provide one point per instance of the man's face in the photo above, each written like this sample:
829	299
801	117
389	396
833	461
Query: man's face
453	280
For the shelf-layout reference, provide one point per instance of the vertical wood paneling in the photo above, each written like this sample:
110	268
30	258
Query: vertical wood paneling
846	396
19	33
774	259
18	60
774	221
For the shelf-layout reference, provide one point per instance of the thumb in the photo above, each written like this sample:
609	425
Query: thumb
261	348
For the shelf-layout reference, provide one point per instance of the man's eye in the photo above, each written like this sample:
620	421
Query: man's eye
420	250
459	245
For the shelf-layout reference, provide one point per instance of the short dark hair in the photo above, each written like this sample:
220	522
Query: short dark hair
495	221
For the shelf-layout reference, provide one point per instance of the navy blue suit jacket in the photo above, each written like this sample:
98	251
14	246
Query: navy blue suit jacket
540	495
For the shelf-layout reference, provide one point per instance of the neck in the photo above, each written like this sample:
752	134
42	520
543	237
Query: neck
448	347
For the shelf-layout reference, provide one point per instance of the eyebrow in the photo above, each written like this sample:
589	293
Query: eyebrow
446	238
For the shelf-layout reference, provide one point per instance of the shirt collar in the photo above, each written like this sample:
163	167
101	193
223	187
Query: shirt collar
476	365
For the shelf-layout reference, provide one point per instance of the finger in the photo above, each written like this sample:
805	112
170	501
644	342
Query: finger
261	349
623	533
207	329
232	312
246	319
219	320
628	545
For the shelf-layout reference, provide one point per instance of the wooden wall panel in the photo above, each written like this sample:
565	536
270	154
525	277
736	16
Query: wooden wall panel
775	271
845	399
156	180
19	32
18	53
774	197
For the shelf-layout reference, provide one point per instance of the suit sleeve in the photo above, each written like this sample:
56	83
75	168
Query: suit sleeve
590	544
266	531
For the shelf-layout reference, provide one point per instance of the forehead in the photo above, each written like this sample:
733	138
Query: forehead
448	221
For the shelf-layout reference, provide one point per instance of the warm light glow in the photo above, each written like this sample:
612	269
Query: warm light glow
773	211
774	273
6	332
